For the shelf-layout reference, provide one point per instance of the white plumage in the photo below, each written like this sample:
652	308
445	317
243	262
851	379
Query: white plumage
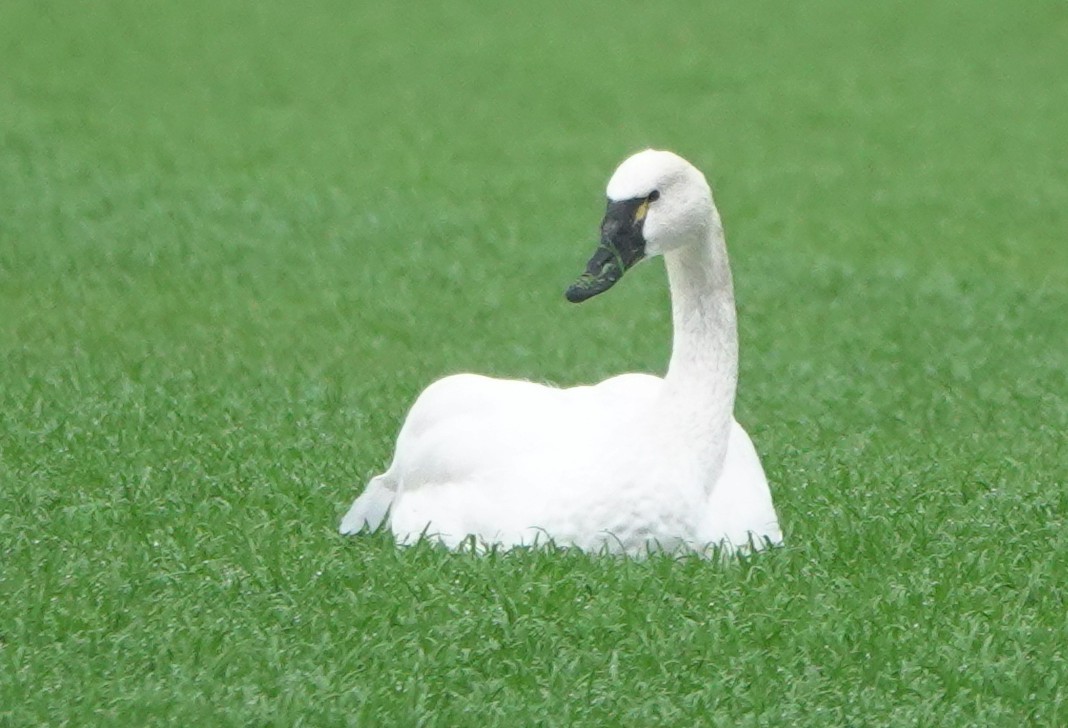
631	464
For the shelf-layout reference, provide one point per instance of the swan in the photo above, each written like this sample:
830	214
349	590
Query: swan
632	464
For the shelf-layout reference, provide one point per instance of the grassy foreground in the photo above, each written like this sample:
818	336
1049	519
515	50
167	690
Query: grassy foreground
236	239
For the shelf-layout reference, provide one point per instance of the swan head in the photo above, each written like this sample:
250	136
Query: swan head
657	202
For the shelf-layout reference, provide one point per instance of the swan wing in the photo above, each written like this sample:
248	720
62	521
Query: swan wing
504	460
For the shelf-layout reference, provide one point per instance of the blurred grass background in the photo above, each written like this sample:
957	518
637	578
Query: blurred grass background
236	239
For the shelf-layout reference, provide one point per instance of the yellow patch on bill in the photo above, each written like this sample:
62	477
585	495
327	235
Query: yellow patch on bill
639	214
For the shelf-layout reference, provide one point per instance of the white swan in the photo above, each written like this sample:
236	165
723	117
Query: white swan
633	463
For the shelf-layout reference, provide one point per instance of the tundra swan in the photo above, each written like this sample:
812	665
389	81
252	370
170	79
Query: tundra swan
634	463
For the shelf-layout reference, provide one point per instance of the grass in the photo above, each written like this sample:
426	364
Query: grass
236	239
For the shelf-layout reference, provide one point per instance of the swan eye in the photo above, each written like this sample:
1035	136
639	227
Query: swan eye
643	208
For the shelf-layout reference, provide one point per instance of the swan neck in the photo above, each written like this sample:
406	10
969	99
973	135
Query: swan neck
703	373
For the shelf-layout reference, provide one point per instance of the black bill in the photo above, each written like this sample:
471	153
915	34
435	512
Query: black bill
622	245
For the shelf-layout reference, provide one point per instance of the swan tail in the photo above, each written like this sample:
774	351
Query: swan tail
371	508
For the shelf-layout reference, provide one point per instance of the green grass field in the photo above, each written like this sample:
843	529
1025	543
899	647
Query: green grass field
236	240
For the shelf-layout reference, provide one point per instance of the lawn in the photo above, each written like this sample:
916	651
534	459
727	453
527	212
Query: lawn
237	238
